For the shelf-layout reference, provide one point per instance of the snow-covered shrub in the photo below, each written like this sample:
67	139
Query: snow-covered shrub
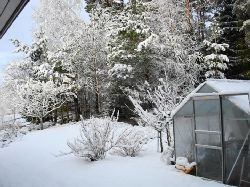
9	133
167	155
96	138
130	142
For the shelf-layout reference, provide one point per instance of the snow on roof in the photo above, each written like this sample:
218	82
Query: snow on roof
223	86
228	85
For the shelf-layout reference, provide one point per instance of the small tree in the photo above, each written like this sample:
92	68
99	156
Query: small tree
39	99
164	99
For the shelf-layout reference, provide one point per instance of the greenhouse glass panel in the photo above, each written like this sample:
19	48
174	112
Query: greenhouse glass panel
209	163
207	114
208	139
184	141
236	129
209	123
186	110
207	107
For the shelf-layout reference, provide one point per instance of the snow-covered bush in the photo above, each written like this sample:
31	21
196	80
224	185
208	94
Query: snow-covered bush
9	133
167	155
130	142
96	138
99	135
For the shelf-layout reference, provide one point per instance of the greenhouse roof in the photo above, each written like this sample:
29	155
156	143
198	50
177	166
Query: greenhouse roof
227	85
223	87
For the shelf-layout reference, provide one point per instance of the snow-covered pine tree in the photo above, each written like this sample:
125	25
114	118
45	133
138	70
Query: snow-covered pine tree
35	57
230	16
128	65
171	48
242	11
114	4
216	62
39	66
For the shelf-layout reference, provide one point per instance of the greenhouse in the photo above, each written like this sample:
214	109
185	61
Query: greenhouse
212	127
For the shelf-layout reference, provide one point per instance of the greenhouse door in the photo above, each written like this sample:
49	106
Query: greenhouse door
207	134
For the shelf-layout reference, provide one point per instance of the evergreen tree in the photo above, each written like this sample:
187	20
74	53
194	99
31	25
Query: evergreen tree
215	63
231	24
128	59
42	68
242	11
92	4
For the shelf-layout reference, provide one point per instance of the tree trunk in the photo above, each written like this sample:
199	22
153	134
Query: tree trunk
55	116
188	14
41	123
77	110
85	104
67	112
97	103
168	135
97	86
161	141
203	27
14	112
97	93
62	115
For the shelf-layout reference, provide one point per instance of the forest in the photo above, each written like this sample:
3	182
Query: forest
136	58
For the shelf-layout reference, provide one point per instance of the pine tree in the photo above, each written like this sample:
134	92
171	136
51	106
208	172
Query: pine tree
92	4
128	60
233	34
215	63
43	68
242	12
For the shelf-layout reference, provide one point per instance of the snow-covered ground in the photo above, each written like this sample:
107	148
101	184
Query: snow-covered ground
31	162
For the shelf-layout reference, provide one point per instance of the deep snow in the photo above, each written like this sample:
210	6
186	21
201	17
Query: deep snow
30	162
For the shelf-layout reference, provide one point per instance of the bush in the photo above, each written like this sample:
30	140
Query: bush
99	135
95	140
167	155
8	134
130	142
